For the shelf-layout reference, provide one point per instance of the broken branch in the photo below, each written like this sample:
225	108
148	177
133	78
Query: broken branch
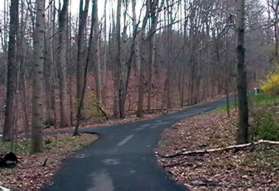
229	148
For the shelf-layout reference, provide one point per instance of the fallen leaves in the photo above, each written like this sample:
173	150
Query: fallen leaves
31	174
250	169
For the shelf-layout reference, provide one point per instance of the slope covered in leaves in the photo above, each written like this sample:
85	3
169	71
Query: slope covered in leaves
254	169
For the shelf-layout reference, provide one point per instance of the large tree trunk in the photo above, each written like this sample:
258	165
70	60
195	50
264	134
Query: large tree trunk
21	52
38	62
49	69
154	8
112	53
61	62
96	56
12	72
138	62
242	77
151	63
105	58
120	72
169	56
83	13
70	64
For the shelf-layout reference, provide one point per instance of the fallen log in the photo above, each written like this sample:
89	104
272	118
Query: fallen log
223	149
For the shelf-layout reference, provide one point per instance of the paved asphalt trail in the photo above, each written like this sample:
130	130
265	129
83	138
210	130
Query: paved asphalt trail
123	159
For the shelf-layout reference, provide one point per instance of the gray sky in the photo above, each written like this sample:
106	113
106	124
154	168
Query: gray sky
75	6
111	4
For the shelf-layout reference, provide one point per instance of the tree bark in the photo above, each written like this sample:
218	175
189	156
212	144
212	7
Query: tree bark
243	136
96	56
83	13
21	52
38	62
120	72
105	59
138	63
153	7
12	71
61	62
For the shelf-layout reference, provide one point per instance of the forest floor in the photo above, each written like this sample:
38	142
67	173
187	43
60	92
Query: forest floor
254	168
104	123
35	171
131	118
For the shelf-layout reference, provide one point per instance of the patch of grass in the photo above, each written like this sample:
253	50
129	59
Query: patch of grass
31	174
266	124
20	147
263	100
266	127
74	142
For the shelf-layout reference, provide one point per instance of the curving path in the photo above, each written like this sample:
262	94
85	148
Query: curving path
123	159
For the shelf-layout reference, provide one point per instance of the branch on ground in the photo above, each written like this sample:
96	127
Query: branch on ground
223	149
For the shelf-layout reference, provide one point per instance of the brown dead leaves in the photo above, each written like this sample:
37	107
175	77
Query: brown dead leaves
31	174
256	169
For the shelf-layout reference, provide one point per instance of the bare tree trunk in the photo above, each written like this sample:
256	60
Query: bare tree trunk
140	109
120	73
52	113
61	62
153	7
49	69
22	81
138	63
105	59
243	136
12	72
169	41
38	62
151	62
70	74
96	56
112	53
83	13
